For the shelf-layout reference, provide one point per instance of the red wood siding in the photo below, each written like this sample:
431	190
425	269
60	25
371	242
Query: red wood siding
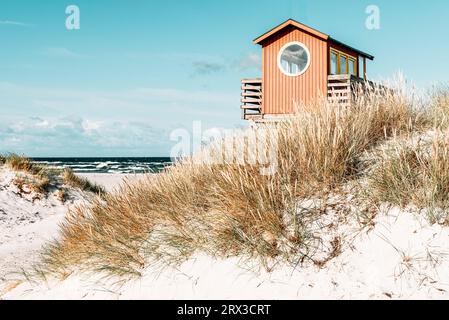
280	92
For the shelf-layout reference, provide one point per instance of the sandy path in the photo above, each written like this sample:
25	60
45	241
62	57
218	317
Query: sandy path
110	181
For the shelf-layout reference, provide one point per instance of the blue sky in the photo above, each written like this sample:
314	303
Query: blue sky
137	69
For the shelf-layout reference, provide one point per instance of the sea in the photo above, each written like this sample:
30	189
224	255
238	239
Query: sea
107	165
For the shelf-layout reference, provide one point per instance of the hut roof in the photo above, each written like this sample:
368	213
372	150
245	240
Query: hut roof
307	29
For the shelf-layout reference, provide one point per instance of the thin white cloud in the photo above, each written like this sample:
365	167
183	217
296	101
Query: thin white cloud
203	64
207	68
59	52
15	23
145	100
74	136
251	61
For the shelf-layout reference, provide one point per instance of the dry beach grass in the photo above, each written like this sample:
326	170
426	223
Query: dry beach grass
231	209
415	175
38	178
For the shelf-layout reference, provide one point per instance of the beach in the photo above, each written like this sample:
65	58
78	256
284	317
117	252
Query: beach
111	181
402	257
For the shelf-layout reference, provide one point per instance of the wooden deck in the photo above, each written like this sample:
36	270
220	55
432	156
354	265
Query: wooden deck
341	89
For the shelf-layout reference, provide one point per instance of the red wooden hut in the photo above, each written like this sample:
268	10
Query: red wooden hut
300	65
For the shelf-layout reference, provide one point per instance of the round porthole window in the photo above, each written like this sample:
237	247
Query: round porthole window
294	59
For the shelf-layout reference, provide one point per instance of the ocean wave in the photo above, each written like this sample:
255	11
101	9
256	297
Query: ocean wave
104	165
81	166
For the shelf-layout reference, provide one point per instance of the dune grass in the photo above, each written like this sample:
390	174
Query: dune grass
40	177
22	163
438	111
232	209
416	175
415	171
72	180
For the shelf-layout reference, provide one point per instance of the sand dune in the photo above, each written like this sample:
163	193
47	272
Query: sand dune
401	257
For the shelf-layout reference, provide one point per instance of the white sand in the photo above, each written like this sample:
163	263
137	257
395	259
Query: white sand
402	257
25	225
110	182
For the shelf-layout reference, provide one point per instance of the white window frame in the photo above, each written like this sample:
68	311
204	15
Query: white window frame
309	60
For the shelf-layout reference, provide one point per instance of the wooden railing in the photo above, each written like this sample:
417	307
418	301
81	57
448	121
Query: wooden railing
251	99
342	88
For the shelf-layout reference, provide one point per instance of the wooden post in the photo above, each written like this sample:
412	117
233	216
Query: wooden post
364	68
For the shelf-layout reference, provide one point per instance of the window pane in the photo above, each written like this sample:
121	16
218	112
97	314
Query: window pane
343	69
294	59
360	66
351	64
334	63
